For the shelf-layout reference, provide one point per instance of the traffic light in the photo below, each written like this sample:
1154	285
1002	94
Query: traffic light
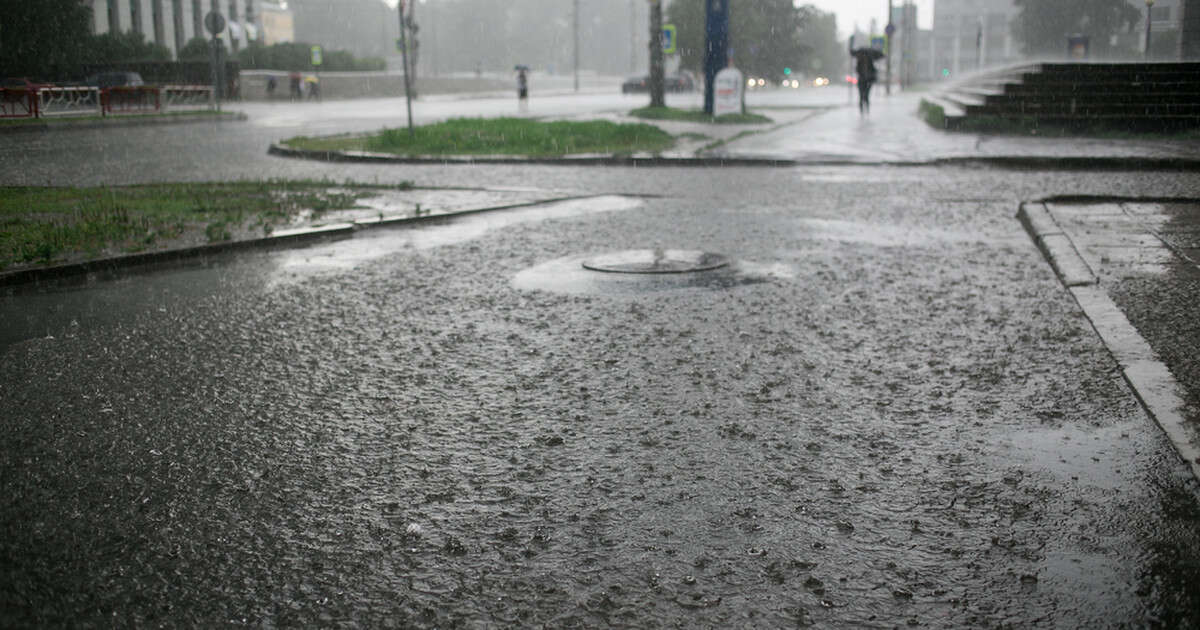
787	71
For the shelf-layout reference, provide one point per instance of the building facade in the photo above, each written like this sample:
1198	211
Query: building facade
172	23
970	35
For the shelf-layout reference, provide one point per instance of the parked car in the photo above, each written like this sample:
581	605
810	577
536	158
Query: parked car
681	82
115	79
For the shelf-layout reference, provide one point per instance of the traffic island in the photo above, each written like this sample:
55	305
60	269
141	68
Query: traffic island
491	137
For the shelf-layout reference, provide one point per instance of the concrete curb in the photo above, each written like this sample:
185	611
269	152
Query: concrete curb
281	238
131	120
1007	162
1149	378
1056	246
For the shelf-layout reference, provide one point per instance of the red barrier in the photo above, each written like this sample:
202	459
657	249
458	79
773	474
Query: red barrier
18	103
130	100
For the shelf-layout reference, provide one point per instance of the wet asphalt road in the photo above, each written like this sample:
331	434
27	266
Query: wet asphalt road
887	412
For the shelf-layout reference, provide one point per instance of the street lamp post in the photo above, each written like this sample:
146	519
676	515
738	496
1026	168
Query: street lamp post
1149	6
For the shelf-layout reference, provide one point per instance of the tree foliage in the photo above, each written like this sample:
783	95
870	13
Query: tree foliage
115	48
196	49
1042	26
42	39
765	36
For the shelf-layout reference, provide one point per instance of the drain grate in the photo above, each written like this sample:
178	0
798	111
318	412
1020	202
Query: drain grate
656	261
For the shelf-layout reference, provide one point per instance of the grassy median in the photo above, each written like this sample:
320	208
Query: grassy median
501	136
40	225
698	116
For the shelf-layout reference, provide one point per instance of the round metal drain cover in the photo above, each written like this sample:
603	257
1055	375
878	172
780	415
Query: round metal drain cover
656	261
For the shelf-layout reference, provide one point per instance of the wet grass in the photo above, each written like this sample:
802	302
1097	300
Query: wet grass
501	136
41	225
698	116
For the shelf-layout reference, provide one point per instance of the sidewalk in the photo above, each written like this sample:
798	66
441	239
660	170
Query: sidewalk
1132	267
893	133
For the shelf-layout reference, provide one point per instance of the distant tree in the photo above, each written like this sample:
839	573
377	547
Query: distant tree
765	35
43	39
819	33
1042	26
116	48
196	49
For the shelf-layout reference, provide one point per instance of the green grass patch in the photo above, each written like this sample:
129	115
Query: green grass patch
933	114
502	136
40	225
698	116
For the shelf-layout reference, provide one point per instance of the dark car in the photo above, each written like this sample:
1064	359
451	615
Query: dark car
681	82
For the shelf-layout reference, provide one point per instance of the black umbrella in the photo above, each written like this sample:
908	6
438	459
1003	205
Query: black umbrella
870	53
519	68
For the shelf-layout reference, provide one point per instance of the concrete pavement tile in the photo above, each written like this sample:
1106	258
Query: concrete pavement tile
1116	239
1075	210
1101	257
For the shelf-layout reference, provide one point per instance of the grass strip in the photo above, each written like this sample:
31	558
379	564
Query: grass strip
698	116
41	225
502	136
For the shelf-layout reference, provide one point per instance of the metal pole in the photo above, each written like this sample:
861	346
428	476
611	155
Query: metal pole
404	61
632	36
576	31
656	55
888	59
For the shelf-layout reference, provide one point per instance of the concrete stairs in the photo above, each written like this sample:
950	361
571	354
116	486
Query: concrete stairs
1143	97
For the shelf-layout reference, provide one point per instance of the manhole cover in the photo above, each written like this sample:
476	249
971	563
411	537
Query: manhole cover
656	261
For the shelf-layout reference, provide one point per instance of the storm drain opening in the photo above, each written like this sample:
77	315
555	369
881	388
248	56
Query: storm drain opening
656	261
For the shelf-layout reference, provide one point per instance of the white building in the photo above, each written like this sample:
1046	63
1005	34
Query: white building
172	23
972	34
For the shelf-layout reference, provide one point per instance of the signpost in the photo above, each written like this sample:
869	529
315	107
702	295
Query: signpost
668	38
728	88
716	44
404	60
215	23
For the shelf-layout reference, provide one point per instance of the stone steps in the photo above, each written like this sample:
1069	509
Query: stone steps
1143	96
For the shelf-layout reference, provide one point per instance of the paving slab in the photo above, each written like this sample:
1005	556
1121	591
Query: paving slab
1144	289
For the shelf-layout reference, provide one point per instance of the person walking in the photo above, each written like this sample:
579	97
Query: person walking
864	68
522	89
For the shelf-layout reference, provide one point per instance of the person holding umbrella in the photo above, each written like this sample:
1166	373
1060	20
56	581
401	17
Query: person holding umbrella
864	67
522	87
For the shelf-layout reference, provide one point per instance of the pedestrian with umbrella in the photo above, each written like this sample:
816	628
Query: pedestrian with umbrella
522	88
864	67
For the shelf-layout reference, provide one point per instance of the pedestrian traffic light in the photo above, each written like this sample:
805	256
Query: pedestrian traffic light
787	71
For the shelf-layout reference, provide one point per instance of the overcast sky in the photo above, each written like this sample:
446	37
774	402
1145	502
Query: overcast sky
861	11
851	11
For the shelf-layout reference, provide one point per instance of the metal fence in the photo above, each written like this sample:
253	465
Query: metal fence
43	102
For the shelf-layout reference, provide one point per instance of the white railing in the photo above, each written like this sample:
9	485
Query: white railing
186	97
69	101
92	101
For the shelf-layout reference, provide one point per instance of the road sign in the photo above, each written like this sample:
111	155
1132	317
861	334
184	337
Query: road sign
214	22
316	55
890	30
668	38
